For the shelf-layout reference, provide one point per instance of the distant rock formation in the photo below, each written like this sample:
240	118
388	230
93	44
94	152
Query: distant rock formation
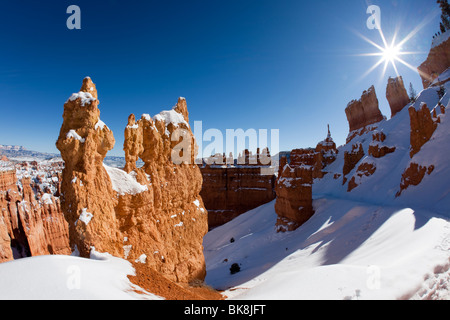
438	61
30	225
152	215
294	197
229	191
294	185
422	127
365	111
396	95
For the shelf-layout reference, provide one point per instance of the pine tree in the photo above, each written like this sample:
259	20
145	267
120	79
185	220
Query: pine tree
445	17
441	92
412	93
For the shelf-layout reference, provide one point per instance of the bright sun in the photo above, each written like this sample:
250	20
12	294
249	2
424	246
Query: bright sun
391	53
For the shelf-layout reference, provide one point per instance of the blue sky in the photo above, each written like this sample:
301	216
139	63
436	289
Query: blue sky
264	64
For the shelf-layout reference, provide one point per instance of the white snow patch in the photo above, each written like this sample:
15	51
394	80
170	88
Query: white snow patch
57	277
85	216
85	97
75	135
124	183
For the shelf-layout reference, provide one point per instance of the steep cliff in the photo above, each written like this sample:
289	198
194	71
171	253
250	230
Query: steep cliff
152	215
437	62
365	111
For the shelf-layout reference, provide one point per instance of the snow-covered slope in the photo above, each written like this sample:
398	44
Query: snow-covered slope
347	250
102	277
363	244
381	187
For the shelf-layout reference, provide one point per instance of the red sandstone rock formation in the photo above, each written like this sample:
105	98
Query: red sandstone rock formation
438	61
364	169
318	158
363	112
413	176
87	192
152	215
294	197
396	95
31	227
376	148
352	158
422	127
229	191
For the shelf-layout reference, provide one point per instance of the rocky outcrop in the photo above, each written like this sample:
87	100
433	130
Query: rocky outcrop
294	185
88	198
413	176
365	169
376	148
8	179
396	95
352	158
152	215
318	158
294	197
229	191
422	127
438	61
365	111
31	225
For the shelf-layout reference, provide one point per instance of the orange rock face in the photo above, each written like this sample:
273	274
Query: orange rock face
365	111
152	215
352	158
31	226
230	191
294	197
413	176
88	198
294	185
376	148
396	95
438	61
422	127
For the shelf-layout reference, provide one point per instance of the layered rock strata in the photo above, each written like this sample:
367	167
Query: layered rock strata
152	215
396	95
365	111
30	224
438	61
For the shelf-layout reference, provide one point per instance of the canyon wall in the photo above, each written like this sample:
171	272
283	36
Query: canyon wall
30	224
438	61
229	191
294	184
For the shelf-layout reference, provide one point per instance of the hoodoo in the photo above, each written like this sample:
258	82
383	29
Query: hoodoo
152	215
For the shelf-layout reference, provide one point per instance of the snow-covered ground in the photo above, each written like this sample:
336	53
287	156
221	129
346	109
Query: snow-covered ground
347	250
363	244
102	277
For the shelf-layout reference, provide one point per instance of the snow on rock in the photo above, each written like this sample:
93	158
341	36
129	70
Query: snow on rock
103	277
85	216
86	98
100	125
75	135
123	182
440	39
